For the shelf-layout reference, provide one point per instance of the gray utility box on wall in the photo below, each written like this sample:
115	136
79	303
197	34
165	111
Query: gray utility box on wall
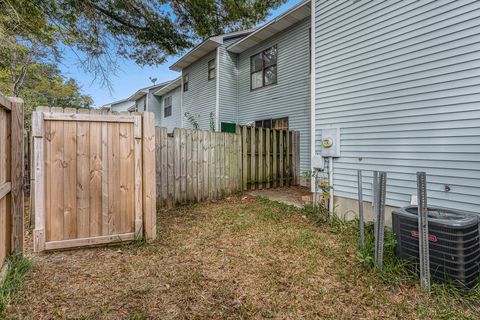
454	242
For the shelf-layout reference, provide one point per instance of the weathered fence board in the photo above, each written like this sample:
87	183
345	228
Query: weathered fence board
270	158
202	163
194	165
94	177
11	176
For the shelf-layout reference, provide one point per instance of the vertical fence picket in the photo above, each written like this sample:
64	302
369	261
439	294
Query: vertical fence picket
244	158
275	157
281	164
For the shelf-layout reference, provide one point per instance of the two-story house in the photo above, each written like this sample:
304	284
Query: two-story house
259	77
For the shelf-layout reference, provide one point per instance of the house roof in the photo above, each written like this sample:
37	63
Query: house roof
282	22
143	92
205	47
169	87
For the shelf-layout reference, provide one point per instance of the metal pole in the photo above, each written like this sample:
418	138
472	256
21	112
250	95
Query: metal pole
375	209
330	182
360	209
382	192
316	190
423	231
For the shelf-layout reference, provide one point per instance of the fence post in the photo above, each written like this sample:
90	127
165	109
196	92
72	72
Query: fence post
39	167
17	168
244	158
149	194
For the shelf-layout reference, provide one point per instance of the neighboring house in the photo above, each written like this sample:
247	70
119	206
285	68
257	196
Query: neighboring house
170	114
206	71
145	100
259	77
120	105
401	79
273	77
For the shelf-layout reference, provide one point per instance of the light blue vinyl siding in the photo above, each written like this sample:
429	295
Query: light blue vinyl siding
141	103
290	97
122	106
402	81
199	100
228	83
174	121
154	105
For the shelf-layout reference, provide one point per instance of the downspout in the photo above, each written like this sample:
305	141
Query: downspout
181	100
312	86
217	90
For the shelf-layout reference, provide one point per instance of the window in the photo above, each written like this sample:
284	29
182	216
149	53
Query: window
185	83
167	107
281	123
263	68
211	69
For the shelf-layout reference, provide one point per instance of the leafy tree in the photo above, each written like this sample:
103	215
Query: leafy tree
147	31
44	85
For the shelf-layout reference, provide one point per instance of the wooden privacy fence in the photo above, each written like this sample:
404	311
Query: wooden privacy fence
194	165
11	177
94	177
270	158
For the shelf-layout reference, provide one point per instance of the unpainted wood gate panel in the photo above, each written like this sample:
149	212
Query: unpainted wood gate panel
88	178
11	177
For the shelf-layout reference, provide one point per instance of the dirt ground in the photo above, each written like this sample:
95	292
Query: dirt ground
287	195
239	258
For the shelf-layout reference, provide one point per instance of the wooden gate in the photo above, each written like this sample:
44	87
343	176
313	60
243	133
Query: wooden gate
94	177
11	176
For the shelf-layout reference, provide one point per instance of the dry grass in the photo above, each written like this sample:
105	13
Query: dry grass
240	258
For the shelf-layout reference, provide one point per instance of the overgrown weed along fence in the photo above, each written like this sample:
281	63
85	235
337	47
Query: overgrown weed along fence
11	176
196	165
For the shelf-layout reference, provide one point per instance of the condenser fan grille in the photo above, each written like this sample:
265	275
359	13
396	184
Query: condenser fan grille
454	242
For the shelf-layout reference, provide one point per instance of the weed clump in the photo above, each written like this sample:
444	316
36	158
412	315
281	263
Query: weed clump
18	266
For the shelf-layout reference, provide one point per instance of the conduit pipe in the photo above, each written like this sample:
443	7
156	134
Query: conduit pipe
330	185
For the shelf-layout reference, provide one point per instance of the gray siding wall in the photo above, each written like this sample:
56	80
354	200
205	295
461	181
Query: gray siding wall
122	106
402	81
141	103
290	97
155	105
174	121
199	100
228	83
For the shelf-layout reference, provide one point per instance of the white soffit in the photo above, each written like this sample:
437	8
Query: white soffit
169	87
289	18
196	53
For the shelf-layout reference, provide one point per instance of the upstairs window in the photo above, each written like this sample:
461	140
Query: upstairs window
263	68
167	107
211	69
185	83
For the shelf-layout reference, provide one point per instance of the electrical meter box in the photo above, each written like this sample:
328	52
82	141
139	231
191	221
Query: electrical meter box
317	162
331	142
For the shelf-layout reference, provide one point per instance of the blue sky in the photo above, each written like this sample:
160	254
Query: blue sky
131	76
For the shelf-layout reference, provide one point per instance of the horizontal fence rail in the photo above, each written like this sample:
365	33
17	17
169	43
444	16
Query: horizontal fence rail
196	165
11	177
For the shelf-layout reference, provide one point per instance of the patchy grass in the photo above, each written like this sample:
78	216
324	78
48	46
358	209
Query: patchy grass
239	258
17	268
